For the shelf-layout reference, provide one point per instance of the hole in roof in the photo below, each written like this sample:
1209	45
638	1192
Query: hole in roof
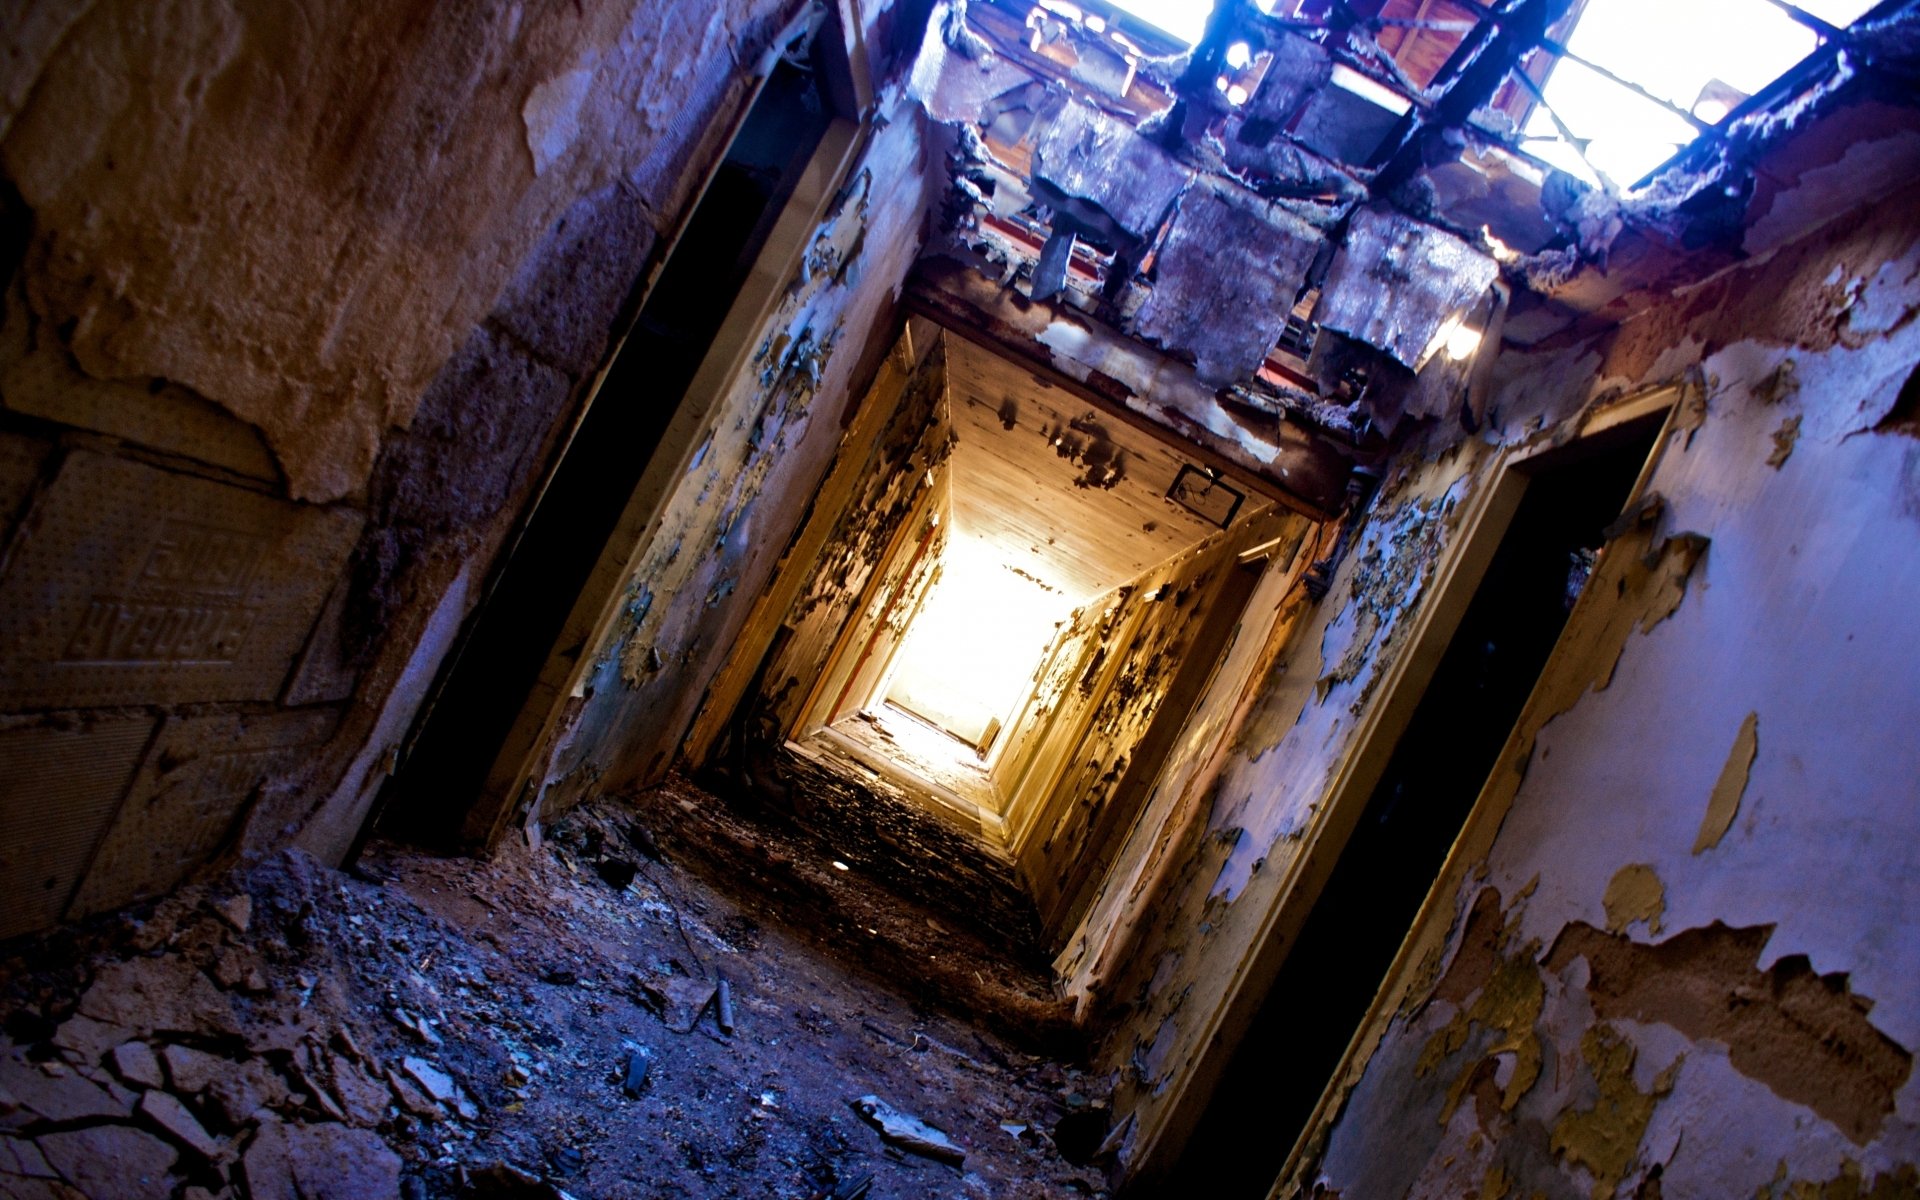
1687	58
1183	20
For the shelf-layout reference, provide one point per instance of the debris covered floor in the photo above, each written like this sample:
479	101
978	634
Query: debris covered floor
431	1027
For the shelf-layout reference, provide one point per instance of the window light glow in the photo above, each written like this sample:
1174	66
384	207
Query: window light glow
1462	341
1673	51
1183	19
970	655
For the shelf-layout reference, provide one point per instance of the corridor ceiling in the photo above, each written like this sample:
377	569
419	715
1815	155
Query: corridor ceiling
1066	493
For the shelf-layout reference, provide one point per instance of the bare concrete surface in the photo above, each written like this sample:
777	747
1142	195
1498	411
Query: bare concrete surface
548	1023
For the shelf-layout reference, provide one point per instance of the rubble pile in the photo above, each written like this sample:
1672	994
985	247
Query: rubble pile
579	1020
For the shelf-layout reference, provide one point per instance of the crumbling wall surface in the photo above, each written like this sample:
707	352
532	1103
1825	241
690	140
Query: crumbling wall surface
297	303
1066	842
1674	951
763	451
1201	874
860	578
300	214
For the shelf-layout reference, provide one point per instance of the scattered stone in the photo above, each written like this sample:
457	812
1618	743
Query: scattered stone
686	999
364	1099
56	1093
240	970
88	1040
152	994
112	1160
309	1162
343	1040
244	1089
21	1158
439	1085
237	912
193	1071
419	1027
320	1097
174	1119
908	1132
411	1097
136	1063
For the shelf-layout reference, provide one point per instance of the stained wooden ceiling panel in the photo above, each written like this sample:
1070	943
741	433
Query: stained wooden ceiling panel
1071	495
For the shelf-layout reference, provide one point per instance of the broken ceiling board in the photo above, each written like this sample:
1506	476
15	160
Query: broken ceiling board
137	585
1224	281
1395	282
1086	155
191	789
1298	69
62	786
1488	187
1072	495
1343	125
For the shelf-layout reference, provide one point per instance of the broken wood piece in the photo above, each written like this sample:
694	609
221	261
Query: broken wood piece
908	1132
723	1004
639	1061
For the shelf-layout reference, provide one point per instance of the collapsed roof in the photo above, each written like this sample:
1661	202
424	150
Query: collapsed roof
1316	214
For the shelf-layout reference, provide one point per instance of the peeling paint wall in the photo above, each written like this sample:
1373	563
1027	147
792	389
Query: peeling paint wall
1197	885
1767	590
297	305
1065	823
763	451
881	554
1679	955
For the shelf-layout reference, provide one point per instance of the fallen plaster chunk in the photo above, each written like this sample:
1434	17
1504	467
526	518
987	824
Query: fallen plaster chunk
1396	282
909	1133
236	911
1724	804
439	1085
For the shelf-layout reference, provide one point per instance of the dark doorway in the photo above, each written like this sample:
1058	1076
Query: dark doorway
485	684
1431	781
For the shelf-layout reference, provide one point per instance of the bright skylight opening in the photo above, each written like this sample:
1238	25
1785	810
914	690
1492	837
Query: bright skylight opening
1183	19
970	654
1699	56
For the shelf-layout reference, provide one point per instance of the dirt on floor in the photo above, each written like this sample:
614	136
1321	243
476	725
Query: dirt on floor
552	1022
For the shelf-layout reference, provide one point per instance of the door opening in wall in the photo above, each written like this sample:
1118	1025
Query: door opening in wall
486	683
1430	781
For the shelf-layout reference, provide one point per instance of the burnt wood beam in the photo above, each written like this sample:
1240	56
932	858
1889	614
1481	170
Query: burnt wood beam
1469	79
